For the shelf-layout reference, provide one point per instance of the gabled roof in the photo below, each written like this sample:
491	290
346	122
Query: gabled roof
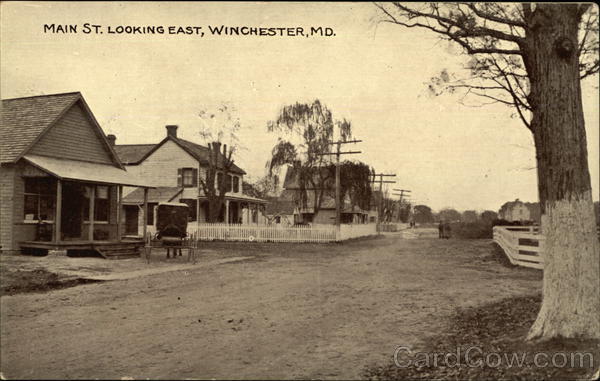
136	153
292	178
25	120
277	205
132	153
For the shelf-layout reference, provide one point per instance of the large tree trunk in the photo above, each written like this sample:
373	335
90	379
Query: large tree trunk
571	302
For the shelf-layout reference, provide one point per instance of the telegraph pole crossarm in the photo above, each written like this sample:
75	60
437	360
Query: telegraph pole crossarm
338	153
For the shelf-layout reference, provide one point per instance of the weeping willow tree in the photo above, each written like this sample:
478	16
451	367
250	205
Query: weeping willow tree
532	57
355	183
308	130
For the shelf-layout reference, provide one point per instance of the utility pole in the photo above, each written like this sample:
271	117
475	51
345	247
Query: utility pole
381	182
402	191
338	153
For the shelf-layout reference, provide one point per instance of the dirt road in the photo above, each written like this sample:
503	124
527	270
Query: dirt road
286	313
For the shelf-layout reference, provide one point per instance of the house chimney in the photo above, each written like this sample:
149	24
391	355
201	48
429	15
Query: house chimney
111	139
172	130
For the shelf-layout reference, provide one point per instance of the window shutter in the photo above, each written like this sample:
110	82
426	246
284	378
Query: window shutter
195	177
179	177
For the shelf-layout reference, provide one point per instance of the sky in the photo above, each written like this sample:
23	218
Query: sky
374	74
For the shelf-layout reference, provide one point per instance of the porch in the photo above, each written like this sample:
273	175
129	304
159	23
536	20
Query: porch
76	206
126	248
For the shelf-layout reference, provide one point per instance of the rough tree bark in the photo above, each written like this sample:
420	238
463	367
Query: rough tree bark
558	46
571	300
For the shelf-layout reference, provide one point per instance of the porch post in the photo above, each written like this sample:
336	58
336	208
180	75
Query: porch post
57	212
119	207
145	220
91	216
227	211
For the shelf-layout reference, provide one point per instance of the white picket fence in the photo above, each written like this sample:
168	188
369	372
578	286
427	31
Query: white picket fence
358	230
278	233
523	245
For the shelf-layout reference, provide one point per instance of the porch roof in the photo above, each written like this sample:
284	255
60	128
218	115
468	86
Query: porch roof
243	197
160	194
85	171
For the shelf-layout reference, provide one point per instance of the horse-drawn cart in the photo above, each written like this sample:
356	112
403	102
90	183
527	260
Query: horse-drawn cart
171	231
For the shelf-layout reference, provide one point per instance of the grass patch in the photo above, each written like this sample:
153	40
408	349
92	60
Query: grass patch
498	328
38	280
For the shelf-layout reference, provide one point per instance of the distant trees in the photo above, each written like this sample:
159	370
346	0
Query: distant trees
489	216
449	215
422	214
469	216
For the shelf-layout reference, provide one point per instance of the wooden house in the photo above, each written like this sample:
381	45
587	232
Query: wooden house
61	181
350	213
174	166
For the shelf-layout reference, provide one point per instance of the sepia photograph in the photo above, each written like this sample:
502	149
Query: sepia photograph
299	190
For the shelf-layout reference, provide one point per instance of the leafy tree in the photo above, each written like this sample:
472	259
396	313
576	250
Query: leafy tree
261	188
355	182
489	216
404	209
449	215
422	214
313	125
532	58
469	216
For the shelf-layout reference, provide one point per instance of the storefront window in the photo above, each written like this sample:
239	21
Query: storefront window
40	199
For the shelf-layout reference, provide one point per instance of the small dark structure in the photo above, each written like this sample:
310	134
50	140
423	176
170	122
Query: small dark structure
171	226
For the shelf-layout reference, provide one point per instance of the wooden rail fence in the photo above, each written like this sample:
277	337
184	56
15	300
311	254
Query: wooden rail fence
523	245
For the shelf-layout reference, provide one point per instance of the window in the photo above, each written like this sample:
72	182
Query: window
188	177
236	184
229	184
40	199
101	203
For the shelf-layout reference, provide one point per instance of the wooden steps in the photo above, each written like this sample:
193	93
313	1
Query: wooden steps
119	250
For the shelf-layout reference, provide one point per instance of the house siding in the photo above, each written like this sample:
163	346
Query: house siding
12	227
7	195
73	137
160	168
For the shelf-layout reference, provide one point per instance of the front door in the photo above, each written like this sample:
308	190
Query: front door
131	219
73	198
